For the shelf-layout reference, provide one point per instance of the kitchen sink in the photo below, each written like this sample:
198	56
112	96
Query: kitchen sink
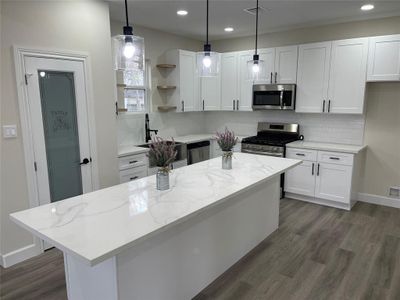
180	147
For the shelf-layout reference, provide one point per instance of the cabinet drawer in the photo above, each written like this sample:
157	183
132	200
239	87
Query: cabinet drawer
304	154
132	161
336	158
132	174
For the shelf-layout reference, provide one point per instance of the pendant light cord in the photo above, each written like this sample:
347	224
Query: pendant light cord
207	25
256	27
126	12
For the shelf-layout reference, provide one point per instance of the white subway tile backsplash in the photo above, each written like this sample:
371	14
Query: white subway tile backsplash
343	129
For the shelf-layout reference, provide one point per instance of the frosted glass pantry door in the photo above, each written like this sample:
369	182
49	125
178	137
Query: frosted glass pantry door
57	102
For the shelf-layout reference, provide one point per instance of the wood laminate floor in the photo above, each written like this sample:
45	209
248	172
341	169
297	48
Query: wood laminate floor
317	253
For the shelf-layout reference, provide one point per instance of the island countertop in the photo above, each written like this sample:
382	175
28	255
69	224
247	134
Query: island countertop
98	225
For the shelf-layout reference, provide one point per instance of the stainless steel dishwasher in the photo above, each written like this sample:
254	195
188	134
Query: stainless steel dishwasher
198	152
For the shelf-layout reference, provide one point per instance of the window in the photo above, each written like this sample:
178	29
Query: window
136	90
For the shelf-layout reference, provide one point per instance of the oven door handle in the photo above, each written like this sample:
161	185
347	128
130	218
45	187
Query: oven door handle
262	153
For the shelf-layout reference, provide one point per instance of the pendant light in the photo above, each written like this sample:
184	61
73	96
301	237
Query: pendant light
256	69
128	49
207	61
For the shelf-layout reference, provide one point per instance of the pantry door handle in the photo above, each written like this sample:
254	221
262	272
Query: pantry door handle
312	169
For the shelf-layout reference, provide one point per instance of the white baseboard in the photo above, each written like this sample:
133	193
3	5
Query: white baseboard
379	200
19	255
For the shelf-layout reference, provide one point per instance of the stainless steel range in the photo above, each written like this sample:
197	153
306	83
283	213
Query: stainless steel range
271	139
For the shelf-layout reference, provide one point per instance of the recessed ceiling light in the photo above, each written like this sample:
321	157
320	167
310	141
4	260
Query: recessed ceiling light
182	12
228	29
367	7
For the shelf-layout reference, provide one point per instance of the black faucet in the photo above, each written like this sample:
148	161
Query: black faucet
147	128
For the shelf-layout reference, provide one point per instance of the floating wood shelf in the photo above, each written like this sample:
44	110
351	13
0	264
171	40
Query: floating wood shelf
166	87
122	85
166	66
166	108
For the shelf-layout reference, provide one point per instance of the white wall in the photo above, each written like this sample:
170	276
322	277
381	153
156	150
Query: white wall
64	25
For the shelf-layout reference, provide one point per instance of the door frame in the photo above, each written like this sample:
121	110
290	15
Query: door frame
25	118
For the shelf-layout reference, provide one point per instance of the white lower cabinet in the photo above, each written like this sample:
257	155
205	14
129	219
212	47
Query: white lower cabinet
323	177
333	182
132	167
301	180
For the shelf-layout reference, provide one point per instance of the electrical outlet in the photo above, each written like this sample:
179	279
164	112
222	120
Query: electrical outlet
394	191
9	131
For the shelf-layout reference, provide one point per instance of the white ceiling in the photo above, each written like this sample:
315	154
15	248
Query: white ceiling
280	15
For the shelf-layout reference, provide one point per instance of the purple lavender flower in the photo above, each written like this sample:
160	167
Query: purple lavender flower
226	140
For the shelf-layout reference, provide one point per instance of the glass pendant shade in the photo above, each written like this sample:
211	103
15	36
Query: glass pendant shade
208	63
128	52
256	70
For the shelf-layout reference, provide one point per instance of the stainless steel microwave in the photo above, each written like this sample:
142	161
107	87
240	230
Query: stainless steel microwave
274	96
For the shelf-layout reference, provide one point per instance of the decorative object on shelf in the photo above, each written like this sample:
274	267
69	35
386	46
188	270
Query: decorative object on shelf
207	61
163	154
128	48
166	66
256	69
226	141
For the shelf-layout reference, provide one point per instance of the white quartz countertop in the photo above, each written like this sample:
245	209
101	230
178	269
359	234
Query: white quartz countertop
326	146
187	139
131	150
96	226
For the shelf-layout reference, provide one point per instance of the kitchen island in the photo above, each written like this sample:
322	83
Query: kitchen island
131	241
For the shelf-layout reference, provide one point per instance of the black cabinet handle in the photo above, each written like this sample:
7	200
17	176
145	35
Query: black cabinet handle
276	76
203	104
133	161
318	170
312	169
237	104
134	177
300	154
85	161
183	105
334	158
323	106
329	106
233	101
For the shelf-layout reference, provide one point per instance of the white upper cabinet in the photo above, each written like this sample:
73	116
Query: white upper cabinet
286	64
347	76
313	77
268	56
384	58
245	85
184	77
229	81
210	93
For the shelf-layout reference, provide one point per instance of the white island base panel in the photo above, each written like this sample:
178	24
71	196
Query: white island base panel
184	259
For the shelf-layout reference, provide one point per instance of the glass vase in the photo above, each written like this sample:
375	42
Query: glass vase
227	160
162	180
